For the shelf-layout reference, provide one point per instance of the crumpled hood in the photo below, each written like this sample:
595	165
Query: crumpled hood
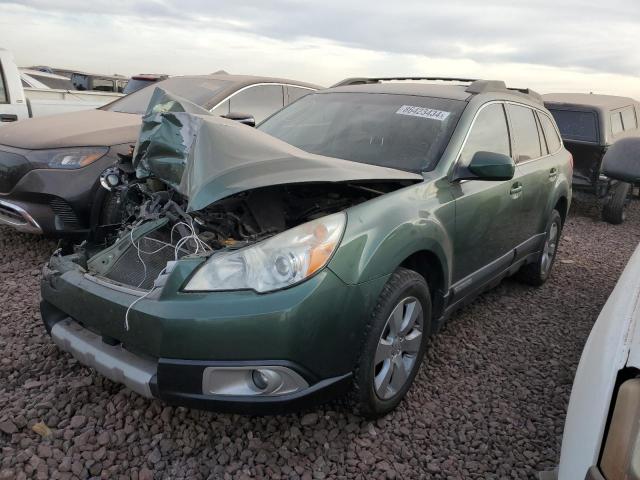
75	129
207	158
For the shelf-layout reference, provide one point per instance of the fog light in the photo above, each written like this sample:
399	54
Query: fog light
266	380
251	380
260	380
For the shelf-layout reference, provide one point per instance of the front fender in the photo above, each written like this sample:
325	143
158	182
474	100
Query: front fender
384	232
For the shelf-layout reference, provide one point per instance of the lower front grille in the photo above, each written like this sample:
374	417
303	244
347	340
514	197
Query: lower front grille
64	213
139	267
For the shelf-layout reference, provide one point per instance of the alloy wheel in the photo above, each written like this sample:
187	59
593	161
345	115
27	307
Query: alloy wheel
550	246
398	348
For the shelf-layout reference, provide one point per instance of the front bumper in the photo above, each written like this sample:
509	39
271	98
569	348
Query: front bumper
313	329
180	382
54	202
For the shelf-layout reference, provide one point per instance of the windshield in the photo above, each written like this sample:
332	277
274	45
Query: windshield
398	131
576	124
198	90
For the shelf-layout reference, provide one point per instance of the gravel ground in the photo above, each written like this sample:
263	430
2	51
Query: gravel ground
490	402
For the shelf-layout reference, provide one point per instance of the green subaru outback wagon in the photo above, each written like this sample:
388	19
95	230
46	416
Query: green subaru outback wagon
261	270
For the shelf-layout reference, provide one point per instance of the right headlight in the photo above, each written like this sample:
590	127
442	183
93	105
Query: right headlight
278	262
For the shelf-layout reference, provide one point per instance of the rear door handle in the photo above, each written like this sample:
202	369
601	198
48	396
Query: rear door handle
516	190
553	173
7	117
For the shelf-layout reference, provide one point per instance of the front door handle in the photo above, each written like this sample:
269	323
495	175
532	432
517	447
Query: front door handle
516	190
553	173
6	117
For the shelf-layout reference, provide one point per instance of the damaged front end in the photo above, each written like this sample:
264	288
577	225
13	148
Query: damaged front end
211	215
198	185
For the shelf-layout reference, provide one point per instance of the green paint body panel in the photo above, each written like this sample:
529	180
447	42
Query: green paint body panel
475	229
287	325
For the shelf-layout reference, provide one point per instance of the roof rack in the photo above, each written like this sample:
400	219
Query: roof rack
475	86
482	86
370	80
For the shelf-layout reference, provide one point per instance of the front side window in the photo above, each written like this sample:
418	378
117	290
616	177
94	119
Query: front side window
399	131
525	133
222	109
489	133
550	133
629	121
261	101
616	123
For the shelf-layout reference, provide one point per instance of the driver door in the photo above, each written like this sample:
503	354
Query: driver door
488	213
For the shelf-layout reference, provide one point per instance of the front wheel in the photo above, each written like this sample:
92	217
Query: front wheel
537	273
395	344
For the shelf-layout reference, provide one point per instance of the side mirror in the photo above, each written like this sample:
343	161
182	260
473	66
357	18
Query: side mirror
245	118
488	166
622	160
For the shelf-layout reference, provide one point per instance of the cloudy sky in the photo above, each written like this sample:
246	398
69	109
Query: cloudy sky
549	45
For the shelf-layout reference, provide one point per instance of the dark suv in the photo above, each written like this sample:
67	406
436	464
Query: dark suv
264	269
589	125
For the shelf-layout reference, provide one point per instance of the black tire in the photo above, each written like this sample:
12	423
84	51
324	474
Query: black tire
538	272
614	210
404	285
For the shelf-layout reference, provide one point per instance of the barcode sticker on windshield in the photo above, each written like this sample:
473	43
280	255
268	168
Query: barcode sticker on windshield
423	112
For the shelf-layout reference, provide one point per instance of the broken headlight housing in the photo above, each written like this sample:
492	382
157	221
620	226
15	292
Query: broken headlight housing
278	262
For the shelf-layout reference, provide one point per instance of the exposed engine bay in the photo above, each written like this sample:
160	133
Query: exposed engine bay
154	227
195	185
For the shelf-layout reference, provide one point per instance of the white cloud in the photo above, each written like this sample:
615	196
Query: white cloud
188	39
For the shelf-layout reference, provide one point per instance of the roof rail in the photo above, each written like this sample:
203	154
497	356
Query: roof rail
370	80
482	86
475	86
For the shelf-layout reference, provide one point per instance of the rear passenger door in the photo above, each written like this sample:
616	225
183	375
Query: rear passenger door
537	168
488	213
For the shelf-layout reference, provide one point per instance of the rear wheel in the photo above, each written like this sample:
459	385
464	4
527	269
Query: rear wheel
537	273
395	344
614	210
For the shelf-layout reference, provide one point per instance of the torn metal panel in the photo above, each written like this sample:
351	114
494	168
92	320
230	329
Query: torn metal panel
207	158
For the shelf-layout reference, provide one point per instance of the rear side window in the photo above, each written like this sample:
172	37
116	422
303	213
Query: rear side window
629	121
550	133
260	101
576	125
488	134
616	123
525	133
